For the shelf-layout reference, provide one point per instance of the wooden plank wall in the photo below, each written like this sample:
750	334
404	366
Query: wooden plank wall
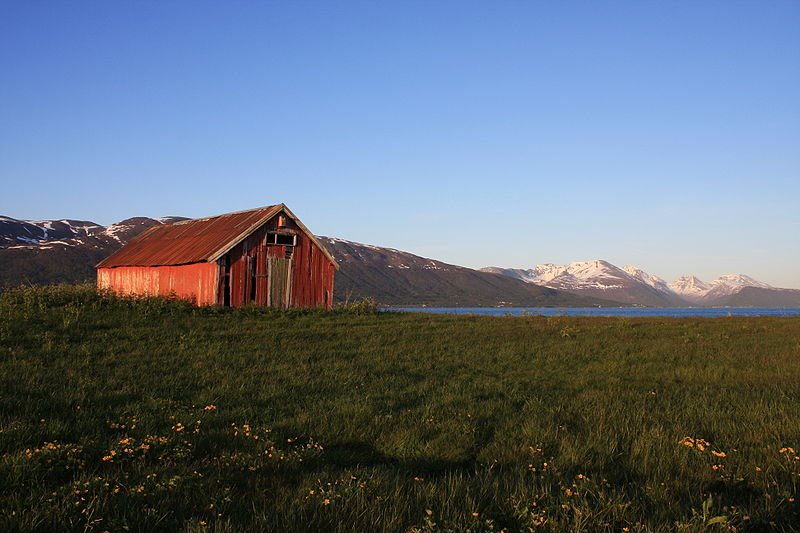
196	282
312	272
312	276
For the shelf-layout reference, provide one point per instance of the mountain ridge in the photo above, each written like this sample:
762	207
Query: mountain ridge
602	279
401	278
33	252
67	250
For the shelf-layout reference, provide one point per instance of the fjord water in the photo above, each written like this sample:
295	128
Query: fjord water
707	312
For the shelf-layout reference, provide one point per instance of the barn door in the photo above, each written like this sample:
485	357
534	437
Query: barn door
280	282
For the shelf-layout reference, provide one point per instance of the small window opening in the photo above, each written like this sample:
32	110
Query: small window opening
281	239
281	221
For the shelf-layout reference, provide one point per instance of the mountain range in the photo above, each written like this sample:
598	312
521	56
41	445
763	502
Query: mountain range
395	277
61	251
65	251
632	285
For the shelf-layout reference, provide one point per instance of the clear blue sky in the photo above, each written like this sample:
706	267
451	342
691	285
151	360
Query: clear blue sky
663	134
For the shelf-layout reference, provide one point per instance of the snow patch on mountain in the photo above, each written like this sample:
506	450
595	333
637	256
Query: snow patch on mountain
114	229
44	234
542	274
648	279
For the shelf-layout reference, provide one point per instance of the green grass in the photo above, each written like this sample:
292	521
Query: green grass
146	415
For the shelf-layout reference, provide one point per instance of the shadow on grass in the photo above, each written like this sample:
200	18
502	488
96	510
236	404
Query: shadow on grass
362	454
734	492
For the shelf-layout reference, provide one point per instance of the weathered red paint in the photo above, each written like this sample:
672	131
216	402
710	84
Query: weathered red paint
196	282
190	259
189	241
311	270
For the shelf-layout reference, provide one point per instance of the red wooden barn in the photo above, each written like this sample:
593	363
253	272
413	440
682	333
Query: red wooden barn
263	257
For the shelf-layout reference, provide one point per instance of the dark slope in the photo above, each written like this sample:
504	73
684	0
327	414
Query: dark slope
759	297
394	277
61	251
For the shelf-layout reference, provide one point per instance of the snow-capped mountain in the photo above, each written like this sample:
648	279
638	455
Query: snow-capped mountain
695	290
631	284
730	283
599	279
690	288
582	274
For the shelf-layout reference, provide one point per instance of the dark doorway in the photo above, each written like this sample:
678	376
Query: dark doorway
251	268
226	287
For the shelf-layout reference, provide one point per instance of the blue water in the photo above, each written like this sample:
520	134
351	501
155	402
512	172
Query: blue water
709	312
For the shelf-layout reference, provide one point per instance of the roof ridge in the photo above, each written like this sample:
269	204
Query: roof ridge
202	240
227	214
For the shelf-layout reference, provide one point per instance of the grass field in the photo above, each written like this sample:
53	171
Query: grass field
149	415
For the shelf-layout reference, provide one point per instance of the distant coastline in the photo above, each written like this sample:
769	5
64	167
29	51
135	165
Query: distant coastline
628	312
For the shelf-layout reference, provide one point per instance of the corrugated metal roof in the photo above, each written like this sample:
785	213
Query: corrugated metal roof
191	241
